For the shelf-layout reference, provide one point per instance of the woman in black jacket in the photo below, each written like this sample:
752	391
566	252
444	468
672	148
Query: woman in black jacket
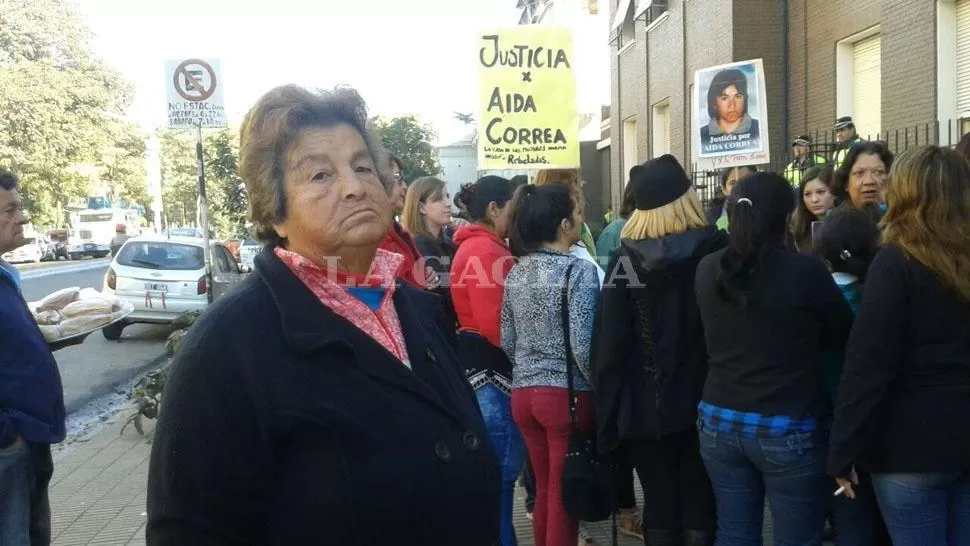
319	401
426	216
650	363
904	399
768	312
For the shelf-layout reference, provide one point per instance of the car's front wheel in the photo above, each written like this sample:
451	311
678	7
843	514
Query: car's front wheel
112	332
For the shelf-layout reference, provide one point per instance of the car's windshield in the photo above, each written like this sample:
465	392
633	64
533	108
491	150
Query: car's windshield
161	255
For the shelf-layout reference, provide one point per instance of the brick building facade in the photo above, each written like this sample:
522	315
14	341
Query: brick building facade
900	67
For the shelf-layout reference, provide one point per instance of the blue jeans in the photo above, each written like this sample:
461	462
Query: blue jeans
496	409
25	517
789	470
925	509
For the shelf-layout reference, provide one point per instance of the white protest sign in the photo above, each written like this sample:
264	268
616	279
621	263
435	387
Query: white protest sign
194	90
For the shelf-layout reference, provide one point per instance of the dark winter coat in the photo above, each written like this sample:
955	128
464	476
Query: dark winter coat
649	361
283	424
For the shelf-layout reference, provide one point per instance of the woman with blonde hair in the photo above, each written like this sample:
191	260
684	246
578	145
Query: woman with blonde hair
649	361
905	390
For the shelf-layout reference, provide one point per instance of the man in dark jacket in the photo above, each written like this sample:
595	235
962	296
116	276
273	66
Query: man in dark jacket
31	397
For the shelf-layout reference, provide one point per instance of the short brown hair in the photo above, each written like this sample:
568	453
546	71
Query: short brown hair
270	129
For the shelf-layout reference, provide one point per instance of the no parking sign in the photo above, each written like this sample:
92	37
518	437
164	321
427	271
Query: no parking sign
194	90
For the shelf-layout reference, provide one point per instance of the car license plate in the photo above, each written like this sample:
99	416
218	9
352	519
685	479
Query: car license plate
89	247
155	287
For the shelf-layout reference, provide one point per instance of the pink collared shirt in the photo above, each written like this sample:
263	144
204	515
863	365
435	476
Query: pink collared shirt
383	325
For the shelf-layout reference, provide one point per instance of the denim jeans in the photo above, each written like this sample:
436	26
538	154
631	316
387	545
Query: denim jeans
496	408
789	470
928	508
25	517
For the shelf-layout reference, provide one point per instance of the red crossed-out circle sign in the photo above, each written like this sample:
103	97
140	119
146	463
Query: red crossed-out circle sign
196	91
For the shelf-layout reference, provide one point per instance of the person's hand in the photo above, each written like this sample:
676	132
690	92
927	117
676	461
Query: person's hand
432	279
17	444
848	482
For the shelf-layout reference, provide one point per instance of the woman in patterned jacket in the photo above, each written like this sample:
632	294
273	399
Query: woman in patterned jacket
546	222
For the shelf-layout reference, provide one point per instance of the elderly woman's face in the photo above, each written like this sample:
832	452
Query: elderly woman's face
334	198
867	180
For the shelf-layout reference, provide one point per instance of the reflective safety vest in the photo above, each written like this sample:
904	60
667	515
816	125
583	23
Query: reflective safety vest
839	156
794	170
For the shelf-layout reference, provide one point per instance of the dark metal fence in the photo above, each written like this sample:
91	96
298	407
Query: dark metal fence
824	143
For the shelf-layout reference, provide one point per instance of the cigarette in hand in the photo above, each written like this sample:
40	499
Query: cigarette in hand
839	491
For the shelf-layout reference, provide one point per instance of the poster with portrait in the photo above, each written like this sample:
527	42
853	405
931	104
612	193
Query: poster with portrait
731	114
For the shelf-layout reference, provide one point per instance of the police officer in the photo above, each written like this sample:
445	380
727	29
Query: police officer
846	136
803	159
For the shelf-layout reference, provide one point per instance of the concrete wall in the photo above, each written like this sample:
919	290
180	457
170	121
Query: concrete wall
459	165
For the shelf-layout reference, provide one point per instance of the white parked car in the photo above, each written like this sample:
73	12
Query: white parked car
164	277
248	250
32	251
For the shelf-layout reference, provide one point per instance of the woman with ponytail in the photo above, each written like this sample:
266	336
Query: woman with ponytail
546	223
768	312
478	273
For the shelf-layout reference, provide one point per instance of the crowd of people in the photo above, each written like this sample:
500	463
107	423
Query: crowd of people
804	343
391	369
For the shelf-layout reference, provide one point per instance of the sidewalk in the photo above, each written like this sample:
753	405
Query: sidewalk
98	489
98	493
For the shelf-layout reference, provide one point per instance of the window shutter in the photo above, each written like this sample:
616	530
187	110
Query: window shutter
963	58
867	86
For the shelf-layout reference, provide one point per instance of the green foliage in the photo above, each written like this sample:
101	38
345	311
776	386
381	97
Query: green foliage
409	140
58	101
180	179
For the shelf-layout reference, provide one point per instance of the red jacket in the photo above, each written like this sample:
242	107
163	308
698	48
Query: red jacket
400	242
478	277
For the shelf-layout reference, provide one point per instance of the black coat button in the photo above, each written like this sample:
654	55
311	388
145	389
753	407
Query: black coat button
442	452
470	439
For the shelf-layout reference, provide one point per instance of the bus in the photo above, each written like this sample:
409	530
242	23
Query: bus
94	229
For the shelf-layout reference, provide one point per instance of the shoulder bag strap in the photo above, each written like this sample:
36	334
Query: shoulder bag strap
570	360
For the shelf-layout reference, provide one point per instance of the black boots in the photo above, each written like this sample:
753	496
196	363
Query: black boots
693	537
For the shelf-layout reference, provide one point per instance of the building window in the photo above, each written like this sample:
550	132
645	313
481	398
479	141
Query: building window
650	10
622	29
661	128
859	77
627	32
963	59
629	144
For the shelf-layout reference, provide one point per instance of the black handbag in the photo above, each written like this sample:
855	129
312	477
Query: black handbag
587	477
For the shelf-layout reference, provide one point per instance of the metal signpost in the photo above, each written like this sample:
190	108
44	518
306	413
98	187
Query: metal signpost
195	101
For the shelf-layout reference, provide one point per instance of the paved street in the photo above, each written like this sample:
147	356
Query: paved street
91	369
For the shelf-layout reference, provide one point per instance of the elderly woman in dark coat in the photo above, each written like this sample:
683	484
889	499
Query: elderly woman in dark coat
319	401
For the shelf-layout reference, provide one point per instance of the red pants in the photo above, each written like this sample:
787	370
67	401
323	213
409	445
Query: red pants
542	414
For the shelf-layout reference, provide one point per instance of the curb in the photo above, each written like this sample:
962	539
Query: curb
41	273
